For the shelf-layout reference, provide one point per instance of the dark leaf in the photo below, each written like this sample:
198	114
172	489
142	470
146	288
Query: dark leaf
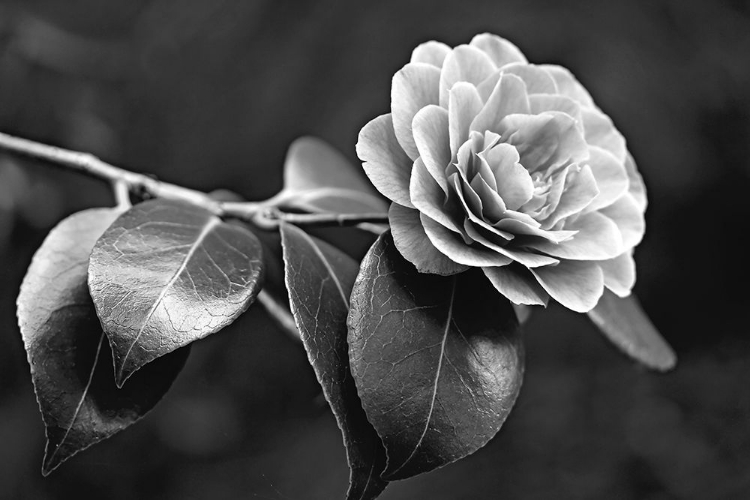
624	323
71	364
438	360
168	273
319	278
317	178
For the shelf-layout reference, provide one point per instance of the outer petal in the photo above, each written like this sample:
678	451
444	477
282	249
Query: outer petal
567	84
611	177
517	285
500	50
431	52
431	136
452	245
600	131
576	285
537	79
463	105
545	140
428	197
385	162
464	64
414	87
619	273
637	188
629	219
412	242
598	238
508	97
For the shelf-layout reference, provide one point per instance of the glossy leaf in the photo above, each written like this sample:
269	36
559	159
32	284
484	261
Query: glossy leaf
71	364
319	278
438	360
167	273
623	322
317	178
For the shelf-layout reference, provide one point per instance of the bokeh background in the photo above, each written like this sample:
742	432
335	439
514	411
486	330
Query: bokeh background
210	93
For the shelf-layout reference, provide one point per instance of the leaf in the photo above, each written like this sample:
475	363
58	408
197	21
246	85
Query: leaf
71	364
624	323
167	273
317	178
319	278
438	360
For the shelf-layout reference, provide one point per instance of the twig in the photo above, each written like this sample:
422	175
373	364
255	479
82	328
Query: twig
125	182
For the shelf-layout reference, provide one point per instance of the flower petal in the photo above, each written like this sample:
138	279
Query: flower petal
637	188
493	206
537	80
567	84
580	190
384	161
611	177
452	245
508	97
600	131
463	105
577	285
598	238
544	141
518	227
414	87
528	259
464	64
431	52
517	284
619	273
500	50
629	219
430	127
544	102
412	242
514	184
429	198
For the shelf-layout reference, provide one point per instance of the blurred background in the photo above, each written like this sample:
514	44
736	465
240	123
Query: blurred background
210	93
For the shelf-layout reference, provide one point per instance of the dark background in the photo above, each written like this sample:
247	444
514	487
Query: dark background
210	93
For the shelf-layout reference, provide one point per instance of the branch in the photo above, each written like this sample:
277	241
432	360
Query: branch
124	181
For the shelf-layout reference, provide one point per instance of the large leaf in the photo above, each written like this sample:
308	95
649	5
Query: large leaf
71	364
438	361
167	273
317	178
319	278
623	322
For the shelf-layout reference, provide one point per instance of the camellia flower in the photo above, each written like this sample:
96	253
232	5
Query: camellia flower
496	163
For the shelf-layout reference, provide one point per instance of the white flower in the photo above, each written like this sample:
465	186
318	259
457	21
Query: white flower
496	163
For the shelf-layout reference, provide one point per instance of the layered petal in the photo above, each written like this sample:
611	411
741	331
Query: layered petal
544	141
384	161
431	136
619	274
452	245
500	50
517	284
464	64
414	87
411	240
575	284
431	52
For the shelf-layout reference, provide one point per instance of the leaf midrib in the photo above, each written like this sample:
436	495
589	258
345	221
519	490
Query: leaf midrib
438	371
212	222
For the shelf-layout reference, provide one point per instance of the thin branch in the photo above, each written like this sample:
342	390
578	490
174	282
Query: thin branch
125	182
